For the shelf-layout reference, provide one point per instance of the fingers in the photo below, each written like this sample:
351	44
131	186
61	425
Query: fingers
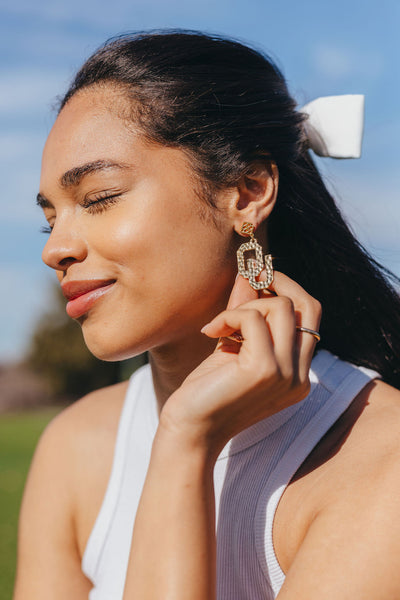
276	330
241	292
308	314
281	321
251	322
283	306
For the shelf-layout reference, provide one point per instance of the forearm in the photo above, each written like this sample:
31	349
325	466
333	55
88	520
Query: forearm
173	545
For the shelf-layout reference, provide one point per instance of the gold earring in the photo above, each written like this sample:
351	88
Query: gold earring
252	267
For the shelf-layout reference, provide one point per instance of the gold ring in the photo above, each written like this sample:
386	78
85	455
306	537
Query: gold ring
315	334
235	337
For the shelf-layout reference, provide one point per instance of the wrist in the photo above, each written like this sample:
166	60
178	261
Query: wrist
179	443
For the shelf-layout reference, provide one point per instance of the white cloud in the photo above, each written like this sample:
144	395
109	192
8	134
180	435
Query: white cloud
334	62
331	61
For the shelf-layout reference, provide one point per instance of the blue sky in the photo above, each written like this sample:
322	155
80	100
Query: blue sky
323	48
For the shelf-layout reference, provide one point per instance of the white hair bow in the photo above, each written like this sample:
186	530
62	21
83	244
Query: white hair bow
335	125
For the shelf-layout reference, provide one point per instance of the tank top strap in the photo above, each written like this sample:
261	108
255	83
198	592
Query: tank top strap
101	527
344	381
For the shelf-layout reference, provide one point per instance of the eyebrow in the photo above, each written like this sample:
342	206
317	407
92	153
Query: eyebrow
74	176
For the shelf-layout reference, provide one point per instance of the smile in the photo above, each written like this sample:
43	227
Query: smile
82	295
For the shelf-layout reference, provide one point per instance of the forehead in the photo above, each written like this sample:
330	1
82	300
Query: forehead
87	129
93	128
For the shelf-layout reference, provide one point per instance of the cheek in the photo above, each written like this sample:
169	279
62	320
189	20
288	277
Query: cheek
163	239
174	276
173	254
166	256
121	237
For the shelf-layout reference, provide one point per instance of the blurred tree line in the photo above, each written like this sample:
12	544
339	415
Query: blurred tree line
59	355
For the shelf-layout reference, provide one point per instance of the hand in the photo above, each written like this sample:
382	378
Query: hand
240	384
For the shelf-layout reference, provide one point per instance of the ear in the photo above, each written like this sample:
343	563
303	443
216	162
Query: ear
255	196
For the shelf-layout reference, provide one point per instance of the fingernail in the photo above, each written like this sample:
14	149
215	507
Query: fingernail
203	329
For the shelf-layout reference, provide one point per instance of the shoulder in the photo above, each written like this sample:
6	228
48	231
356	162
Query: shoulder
72	463
83	435
360	466
363	446
354	470
92	411
350	536
76	427
73	452
73	435
375	439
373	423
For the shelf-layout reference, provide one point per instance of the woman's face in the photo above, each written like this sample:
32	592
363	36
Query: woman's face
134	247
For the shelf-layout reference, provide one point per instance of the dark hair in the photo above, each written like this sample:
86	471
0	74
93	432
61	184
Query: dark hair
228	106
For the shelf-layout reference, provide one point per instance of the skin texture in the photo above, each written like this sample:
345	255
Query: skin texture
174	271
156	239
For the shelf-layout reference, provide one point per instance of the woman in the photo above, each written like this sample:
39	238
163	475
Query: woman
168	150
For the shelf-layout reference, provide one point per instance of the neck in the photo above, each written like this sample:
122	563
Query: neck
172	363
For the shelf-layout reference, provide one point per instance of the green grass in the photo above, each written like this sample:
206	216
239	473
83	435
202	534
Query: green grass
19	434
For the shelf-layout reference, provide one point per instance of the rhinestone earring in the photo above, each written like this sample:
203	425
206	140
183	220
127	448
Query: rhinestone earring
250	268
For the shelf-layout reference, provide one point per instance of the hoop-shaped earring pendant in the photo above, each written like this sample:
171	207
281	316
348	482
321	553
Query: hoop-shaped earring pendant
250	268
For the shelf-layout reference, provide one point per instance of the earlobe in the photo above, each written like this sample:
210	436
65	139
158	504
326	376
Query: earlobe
257	192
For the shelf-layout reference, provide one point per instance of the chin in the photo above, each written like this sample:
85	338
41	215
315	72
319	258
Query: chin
110	348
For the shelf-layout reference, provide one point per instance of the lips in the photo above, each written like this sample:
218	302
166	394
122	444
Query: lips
82	295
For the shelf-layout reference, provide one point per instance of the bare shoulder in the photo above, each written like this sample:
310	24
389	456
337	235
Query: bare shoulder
93	410
357	459
90	428
365	438
360	454
88	421
373	423
75	427
83	435
367	460
349	537
69	471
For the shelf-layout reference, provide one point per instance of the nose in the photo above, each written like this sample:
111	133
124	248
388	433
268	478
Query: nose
63	248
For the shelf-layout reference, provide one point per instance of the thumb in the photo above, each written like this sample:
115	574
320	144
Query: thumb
241	292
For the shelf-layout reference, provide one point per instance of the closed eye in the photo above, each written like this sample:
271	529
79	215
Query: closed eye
97	205
100	203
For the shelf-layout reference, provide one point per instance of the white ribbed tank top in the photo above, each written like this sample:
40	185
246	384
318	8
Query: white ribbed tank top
250	476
